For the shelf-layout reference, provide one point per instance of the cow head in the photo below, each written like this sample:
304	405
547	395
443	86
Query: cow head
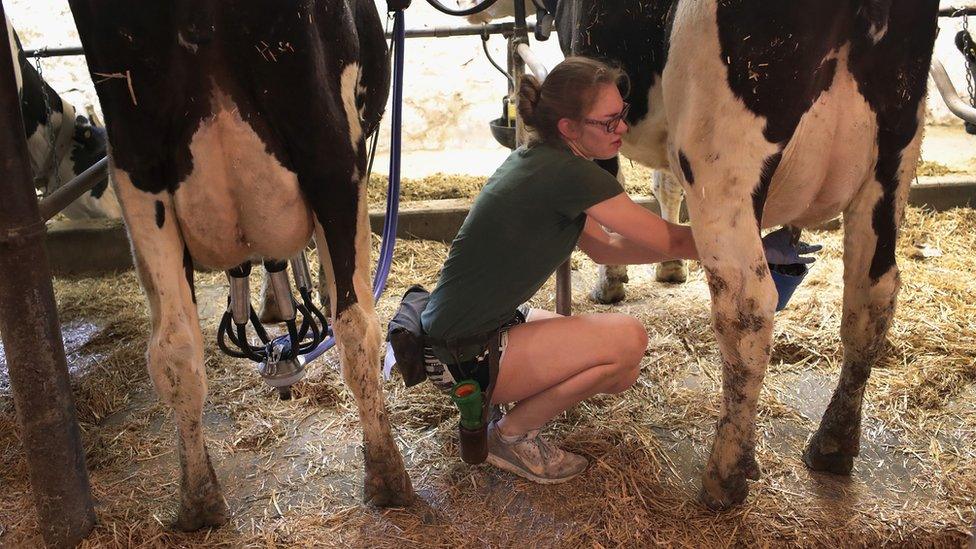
89	144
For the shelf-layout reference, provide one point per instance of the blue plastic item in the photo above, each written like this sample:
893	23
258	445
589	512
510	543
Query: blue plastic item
786	284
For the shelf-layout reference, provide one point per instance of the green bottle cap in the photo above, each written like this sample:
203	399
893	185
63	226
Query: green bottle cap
467	397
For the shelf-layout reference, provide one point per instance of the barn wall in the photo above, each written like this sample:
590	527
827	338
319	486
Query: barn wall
451	90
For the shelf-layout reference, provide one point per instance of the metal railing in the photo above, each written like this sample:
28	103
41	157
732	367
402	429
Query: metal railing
949	94
430	32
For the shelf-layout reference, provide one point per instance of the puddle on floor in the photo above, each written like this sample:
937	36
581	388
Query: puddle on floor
76	334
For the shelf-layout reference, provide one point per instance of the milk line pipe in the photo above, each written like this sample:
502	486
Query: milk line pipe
431	32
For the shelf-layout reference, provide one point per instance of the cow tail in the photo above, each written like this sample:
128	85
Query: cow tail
374	77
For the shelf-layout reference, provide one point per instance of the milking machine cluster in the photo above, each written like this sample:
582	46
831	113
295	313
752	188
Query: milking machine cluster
281	359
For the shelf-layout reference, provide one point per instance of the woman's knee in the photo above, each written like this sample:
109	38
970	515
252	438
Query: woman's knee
631	345
625	376
631	338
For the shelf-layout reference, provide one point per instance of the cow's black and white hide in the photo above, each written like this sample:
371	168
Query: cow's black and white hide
237	130
772	113
61	142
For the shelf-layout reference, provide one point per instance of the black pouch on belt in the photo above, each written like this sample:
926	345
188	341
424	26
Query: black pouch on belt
406	335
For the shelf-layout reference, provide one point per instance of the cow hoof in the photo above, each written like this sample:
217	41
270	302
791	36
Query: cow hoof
838	463
751	469
209	515
721	494
674	272
608	294
395	491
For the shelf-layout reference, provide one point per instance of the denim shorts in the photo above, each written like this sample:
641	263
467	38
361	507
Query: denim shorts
445	375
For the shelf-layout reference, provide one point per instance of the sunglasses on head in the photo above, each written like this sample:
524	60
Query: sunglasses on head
611	123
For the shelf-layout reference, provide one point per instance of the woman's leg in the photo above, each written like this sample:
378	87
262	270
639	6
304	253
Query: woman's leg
553	362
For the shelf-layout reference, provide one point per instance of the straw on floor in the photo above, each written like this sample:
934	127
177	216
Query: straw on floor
292	471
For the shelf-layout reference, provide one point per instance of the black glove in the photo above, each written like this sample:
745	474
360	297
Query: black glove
780	249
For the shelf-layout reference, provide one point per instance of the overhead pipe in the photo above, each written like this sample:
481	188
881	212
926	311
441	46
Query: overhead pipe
432	32
957	12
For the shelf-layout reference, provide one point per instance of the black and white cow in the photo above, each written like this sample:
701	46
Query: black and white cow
772	113
61	142
237	130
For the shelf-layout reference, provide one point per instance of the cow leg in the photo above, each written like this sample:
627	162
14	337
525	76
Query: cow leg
343	241
175	353
871	284
669	194
868	309
610	284
269	313
743	303
324	290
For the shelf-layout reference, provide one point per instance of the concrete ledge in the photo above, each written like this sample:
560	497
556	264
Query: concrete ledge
441	219
95	246
944	192
87	247
426	219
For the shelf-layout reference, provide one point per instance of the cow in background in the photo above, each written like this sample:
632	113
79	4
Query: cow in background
776	113
61	142
238	131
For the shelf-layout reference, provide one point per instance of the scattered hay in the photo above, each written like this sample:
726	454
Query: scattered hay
928	168
440	185
292	471
432	187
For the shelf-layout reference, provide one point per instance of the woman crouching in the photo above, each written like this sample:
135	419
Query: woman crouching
546	199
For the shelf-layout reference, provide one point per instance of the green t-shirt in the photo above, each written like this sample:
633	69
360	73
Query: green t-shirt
524	223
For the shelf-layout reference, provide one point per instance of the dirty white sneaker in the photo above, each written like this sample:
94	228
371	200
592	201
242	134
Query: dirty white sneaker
533	457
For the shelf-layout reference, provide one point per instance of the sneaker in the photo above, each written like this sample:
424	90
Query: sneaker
533	457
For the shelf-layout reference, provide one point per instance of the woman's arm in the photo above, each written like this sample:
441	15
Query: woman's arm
642	236
613	249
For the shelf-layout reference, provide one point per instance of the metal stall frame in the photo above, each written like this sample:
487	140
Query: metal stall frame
32	338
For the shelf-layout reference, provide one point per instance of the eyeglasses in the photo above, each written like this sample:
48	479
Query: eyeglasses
611	123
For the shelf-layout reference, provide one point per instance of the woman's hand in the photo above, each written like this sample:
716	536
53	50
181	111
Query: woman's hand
642	237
